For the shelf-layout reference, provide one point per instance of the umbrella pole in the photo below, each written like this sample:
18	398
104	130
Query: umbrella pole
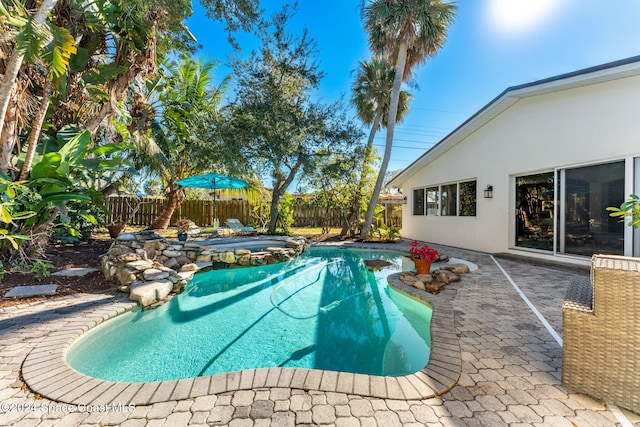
216	223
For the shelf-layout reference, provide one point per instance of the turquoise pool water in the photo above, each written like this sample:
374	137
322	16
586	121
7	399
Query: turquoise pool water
324	310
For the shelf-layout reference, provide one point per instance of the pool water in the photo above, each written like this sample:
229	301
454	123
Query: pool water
323	310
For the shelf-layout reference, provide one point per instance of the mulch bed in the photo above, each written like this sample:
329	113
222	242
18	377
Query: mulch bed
84	255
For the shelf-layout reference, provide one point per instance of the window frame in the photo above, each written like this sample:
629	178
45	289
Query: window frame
474	209
451	202
435	211
439	208
416	211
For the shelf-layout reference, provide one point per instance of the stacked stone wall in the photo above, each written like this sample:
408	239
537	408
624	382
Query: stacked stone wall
150	267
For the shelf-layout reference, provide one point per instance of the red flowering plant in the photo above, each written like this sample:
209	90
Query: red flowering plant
418	251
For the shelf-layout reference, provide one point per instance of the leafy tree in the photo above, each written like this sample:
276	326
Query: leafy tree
84	57
95	52
333	182
84	64
140	37
273	124
237	15
407	32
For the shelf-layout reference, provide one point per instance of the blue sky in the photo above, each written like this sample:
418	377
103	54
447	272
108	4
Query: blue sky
493	44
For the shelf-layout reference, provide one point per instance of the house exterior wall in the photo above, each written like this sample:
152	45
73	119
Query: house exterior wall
589	124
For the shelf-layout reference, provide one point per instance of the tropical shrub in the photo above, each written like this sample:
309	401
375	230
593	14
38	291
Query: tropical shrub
628	209
285	212
383	231
11	213
79	219
37	267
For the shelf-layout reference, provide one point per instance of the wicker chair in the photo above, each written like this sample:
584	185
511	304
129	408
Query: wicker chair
601	332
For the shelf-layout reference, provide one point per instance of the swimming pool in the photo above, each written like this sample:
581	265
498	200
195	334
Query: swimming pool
323	310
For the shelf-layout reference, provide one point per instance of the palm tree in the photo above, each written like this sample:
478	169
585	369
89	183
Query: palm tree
12	67
182	133
408	32
45	48
371	95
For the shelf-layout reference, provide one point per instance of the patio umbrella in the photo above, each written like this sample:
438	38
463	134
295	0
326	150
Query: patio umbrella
213	181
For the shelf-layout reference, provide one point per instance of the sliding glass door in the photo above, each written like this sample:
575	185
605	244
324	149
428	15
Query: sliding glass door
587	227
580	197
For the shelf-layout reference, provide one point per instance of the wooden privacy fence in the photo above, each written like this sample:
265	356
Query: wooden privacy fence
143	211
314	216
123	209
392	213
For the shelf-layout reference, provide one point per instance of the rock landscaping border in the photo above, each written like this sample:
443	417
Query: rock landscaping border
435	281
150	267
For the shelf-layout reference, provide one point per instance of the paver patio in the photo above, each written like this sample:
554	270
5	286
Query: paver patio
511	369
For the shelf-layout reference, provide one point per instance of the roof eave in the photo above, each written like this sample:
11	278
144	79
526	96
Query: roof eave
606	72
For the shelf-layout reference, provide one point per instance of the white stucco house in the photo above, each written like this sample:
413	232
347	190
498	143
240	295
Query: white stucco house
533	171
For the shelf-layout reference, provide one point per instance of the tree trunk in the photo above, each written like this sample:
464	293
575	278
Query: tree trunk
36	129
273	209
13	68
144	62
278	191
354	211
174	200
391	124
118	89
9	136
326	221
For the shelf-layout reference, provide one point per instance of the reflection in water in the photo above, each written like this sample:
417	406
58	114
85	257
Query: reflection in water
323	310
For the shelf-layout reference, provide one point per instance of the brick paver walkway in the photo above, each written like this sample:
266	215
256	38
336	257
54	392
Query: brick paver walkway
511	369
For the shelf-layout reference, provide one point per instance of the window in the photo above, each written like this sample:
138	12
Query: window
418	201
432	201
457	199
449	200
468	198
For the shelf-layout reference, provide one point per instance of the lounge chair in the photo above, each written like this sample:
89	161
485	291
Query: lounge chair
601	332
238	228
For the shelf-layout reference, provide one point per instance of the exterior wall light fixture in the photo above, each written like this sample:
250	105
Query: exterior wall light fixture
488	192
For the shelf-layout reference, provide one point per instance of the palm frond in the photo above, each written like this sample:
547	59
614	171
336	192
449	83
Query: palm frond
60	50
420	25
372	90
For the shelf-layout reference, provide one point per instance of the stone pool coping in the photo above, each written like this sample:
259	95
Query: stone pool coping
46	371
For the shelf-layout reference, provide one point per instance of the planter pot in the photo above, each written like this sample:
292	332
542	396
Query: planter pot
115	229
182	237
423	266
